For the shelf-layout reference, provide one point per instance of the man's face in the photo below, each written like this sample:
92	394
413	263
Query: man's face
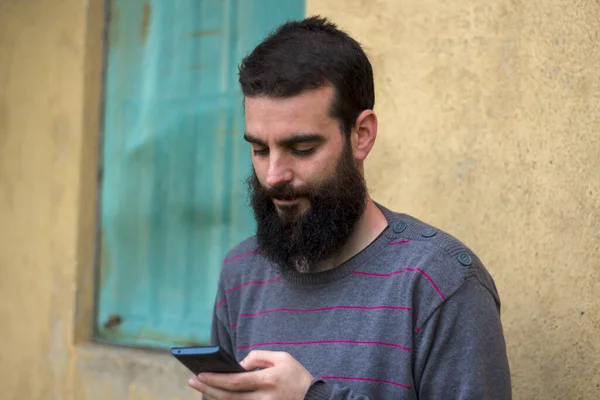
307	192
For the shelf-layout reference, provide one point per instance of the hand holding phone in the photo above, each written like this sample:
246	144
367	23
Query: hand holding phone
274	375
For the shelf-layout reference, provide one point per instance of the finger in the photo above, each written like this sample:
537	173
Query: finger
214	393
194	383
261	359
238	382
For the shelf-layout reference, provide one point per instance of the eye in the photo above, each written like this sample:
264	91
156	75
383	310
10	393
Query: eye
261	152
303	152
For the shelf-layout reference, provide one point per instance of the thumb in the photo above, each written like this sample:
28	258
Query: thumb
259	359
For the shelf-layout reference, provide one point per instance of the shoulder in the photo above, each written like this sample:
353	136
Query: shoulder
245	248
243	261
445	261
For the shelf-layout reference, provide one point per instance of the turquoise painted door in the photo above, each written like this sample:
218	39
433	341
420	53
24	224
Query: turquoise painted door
173	199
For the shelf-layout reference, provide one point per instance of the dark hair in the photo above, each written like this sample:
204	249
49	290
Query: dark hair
308	54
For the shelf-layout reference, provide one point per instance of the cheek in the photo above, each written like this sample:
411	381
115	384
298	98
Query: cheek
318	170
260	170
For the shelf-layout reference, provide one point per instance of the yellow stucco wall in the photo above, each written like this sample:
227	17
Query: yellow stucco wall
41	127
489	128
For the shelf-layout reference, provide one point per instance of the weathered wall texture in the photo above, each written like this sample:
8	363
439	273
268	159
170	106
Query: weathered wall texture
41	76
489	120
50	69
490	128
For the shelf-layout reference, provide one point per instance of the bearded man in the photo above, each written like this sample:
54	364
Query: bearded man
336	296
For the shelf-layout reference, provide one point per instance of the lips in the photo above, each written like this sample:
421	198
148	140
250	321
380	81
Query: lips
285	202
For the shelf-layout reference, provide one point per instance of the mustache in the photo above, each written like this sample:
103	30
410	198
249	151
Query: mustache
287	192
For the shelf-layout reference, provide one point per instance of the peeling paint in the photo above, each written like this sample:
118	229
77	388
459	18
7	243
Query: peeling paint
146	19
113	22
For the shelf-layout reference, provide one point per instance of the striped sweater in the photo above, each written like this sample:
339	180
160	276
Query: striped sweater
415	315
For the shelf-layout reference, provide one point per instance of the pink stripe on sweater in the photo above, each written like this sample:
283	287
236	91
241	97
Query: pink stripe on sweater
347	378
247	284
239	256
323	342
294	310
432	282
401	272
253	283
221	302
400	242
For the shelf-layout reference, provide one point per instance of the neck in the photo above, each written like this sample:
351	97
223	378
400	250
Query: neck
368	228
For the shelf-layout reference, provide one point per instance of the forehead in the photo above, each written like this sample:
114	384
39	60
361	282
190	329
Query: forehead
308	112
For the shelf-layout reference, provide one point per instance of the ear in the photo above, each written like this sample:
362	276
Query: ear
364	134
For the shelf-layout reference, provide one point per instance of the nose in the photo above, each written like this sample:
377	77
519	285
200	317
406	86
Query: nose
278	173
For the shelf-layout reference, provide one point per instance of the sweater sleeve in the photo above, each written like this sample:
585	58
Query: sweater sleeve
219	334
461	351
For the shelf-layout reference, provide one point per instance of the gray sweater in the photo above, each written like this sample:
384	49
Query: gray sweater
415	315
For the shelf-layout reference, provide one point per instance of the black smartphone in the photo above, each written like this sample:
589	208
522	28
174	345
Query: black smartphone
200	359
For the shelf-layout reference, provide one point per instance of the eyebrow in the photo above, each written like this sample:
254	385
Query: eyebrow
293	140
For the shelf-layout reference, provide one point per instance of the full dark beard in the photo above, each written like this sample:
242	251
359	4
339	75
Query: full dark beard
295	241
